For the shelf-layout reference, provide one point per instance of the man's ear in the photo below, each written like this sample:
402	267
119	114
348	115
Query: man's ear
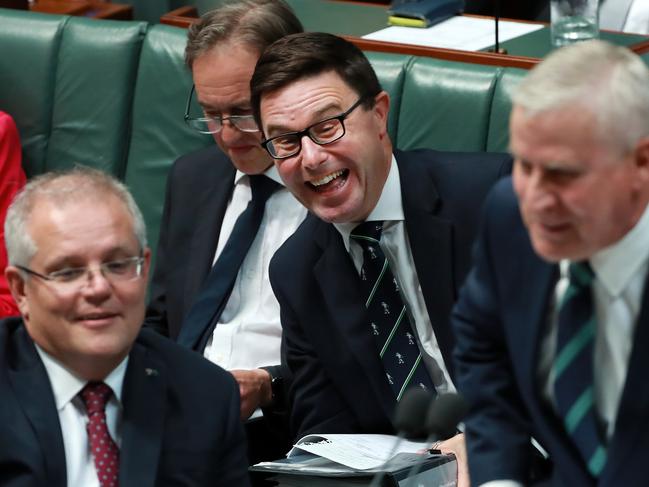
641	164
381	110
146	266
16	282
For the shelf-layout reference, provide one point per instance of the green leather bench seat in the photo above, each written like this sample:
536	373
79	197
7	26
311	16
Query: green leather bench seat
111	94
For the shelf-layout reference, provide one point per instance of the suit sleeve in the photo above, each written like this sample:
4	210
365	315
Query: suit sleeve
316	406
497	427
232	463
12	179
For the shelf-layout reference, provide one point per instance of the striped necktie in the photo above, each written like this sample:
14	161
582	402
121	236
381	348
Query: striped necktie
394	335
573	368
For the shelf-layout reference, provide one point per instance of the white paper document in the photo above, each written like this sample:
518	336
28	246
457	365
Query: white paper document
460	32
360	452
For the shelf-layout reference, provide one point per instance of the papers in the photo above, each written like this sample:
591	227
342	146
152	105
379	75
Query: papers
460	32
354	460
359	452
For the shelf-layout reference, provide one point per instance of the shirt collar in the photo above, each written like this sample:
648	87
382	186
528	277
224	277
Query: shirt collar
271	173
389	208
616	264
66	386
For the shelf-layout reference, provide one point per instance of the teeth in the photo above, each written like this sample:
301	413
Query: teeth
327	178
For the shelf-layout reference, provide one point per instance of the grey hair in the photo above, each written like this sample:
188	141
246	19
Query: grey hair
609	81
254	23
60	188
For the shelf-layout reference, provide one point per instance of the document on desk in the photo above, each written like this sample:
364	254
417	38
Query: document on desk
460	32
360	452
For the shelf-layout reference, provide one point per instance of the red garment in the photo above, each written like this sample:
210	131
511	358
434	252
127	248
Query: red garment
12	178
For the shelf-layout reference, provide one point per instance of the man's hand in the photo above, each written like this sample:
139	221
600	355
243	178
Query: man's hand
457	447
254	388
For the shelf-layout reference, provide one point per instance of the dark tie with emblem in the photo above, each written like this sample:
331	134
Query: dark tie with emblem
105	453
209	304
389	323
573	368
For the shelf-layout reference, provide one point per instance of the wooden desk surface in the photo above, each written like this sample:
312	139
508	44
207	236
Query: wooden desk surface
84	8
353	20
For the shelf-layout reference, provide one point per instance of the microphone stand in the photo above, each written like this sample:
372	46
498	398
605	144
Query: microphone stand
497	49
409	420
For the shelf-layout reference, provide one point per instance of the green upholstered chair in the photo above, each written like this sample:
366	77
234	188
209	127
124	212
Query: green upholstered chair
159	134
111	94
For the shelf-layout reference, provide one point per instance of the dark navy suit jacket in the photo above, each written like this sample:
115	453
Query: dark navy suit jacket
175	431
499	321
199	187
338	380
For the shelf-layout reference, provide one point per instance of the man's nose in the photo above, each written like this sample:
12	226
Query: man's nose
229	131
96	284
538	192
312	154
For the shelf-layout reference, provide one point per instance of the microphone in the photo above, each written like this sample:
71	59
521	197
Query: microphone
444	414
409	421
410	416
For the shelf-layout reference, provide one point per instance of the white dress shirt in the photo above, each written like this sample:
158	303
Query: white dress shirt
79	463
396	246
248	333
620	273
637	20
625	15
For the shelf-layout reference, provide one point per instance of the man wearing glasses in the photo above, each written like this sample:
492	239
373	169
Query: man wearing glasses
225	215
359	334
78	376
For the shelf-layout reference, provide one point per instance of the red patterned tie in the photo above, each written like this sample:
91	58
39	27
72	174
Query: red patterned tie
104	450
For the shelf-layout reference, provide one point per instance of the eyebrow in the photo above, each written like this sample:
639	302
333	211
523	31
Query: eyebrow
66	261
238	106
317	116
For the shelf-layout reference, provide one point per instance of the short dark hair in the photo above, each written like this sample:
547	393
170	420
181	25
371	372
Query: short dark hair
308	54
255	23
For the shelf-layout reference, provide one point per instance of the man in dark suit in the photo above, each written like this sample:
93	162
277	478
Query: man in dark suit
207	192
552	324
323	114
77	376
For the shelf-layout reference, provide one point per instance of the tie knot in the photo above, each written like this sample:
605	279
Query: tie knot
581	274
367	231
95	395
262	187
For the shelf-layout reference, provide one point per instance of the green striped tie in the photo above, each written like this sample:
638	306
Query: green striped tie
573	368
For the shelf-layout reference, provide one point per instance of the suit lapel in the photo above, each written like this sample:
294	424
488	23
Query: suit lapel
206	234
431	243
526	304
334	268
533	319
143	418
34	393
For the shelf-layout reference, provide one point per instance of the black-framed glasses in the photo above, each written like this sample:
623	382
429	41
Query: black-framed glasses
214	124
322	133
74	278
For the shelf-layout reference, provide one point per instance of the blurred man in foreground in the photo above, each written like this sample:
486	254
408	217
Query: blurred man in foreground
552	324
